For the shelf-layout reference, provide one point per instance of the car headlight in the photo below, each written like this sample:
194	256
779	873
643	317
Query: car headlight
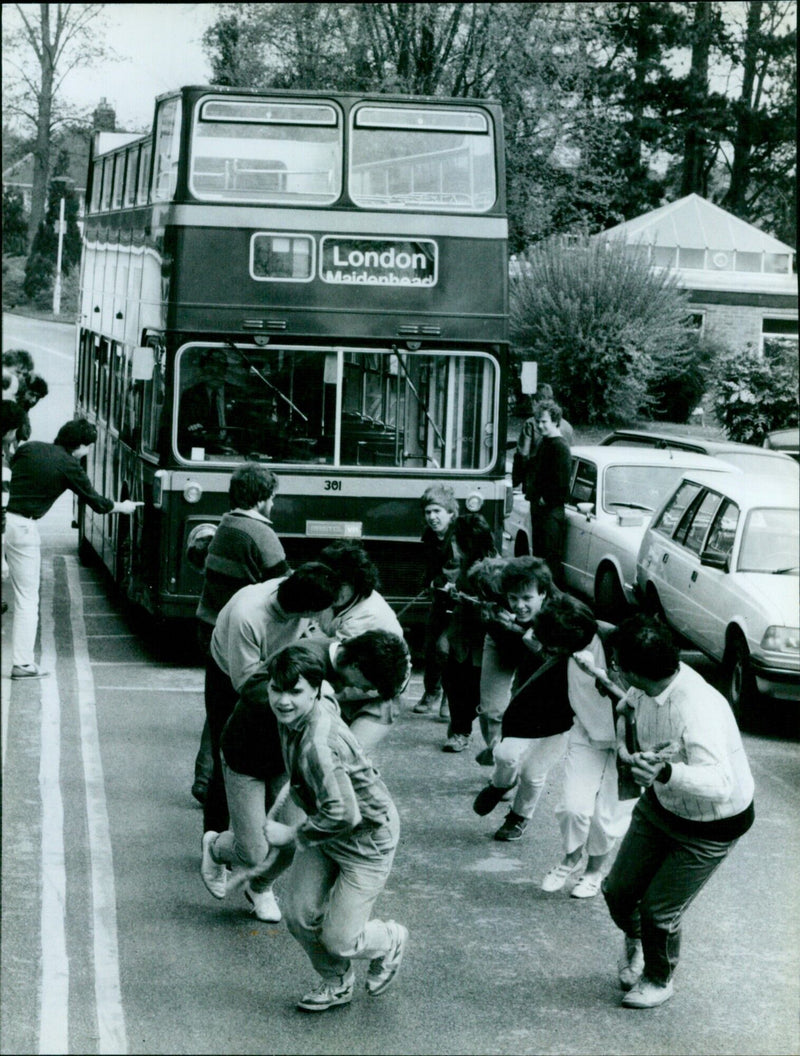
198	543
781	640
193	491
474	501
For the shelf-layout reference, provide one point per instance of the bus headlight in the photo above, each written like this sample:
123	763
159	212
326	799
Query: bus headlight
474	501
193	491
198	543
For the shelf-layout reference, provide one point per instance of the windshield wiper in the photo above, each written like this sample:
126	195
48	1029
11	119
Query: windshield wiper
784	571
254	370
632	506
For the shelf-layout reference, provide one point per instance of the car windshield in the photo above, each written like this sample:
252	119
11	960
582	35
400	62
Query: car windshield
638	487
770	542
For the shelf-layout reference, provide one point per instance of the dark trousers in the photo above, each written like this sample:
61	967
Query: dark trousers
203	763
655	877
221	699
462	684
548	537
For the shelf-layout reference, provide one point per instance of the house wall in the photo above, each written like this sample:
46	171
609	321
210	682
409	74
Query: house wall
740	326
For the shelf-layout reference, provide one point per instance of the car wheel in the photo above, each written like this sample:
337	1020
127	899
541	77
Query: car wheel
652	603
740	683
610	601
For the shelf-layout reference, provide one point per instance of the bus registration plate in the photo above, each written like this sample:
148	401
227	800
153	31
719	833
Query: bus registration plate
334	529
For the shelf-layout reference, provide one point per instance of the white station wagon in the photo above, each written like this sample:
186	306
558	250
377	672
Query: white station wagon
720	561
613	493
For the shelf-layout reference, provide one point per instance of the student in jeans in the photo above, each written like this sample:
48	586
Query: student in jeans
546	488
697	801
461	675
258	620
539	716
245	549
343	848
590	813
440	509
252	763
40	474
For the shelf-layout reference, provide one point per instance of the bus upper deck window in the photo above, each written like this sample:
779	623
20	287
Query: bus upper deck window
423	158
266	151
167	149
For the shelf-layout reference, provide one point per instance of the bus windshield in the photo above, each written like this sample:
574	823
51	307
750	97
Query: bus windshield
423	159
354	407
265	151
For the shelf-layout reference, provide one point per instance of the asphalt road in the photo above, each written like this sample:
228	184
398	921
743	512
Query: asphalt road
110	942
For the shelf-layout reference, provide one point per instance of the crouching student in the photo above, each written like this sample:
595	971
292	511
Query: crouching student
344	847
697	801
539	716
590	814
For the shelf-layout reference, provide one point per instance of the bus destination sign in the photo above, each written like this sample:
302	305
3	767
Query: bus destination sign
379	261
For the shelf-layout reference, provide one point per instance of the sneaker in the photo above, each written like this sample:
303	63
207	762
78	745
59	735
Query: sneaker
555	879
587	886
428	702
214	874
32	671
456	742
487	799
328	994
382	970
631	963
647	994
444	711
485	757
264	903
512	828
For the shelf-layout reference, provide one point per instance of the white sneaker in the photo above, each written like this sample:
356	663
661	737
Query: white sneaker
587	886
214	874
264	903
382	970
328	994
555	879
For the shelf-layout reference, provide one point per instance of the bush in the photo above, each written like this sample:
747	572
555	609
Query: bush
677	391
754	395
601	324
15	224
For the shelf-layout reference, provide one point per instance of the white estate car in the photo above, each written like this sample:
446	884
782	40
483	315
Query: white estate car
613	493
720	562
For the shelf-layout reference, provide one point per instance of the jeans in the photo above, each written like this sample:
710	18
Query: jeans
548	536
220	698
496	679
332	888
24	557
434	649
244	845
462	685
529	760
654	879
590	812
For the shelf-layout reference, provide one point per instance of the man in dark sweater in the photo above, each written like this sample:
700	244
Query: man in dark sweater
546	487
40	474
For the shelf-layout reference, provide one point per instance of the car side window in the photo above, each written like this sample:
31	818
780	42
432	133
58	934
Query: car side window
694	528
723	530
584	484
674	510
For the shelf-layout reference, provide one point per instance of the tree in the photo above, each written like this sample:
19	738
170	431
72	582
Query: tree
44	44
601	325
41	264
15	225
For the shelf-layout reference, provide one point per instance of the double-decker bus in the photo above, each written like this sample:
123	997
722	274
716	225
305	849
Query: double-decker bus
314	281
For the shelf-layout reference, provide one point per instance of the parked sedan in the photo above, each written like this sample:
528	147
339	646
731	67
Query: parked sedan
613	493
743	456
720	563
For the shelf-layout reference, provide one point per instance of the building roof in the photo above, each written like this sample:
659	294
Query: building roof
694	223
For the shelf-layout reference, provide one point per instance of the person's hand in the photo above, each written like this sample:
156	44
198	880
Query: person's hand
278	834
127	506
528	428
645	767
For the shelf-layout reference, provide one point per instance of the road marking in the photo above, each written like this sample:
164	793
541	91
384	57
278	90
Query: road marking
54	981
108	993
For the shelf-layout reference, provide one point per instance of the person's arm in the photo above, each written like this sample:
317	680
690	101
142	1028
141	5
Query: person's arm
78	481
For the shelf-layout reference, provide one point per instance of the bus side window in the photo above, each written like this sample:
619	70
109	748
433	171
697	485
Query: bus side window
153	406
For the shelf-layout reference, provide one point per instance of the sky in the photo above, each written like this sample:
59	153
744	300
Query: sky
158	48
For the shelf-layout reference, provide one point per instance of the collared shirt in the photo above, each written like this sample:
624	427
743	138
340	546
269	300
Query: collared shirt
711	777
334	782
41	473
250	628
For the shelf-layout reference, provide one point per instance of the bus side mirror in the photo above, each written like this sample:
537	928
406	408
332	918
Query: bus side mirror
143	363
